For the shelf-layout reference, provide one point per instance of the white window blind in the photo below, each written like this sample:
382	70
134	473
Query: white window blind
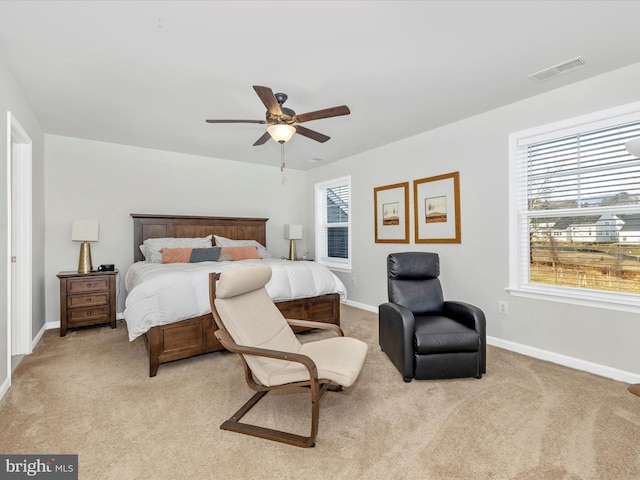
583	171
577	212
333	224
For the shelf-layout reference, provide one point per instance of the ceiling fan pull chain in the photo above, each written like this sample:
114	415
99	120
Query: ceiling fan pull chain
282	157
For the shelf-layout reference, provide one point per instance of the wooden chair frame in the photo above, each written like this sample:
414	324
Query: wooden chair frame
317	386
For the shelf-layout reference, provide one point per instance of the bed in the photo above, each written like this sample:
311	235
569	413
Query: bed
188	337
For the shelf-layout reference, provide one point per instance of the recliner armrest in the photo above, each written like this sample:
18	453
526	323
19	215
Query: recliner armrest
396	331
472	317
465	313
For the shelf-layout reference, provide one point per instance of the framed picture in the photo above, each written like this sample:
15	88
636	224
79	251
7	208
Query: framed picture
437	209
391	213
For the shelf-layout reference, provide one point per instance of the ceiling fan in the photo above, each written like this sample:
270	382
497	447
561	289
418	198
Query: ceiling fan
284	121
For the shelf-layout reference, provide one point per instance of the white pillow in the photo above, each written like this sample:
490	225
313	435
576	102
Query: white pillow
228	242
152	246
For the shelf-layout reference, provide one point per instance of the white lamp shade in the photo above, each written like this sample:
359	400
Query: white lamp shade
281	133
85	231
293	232
633	147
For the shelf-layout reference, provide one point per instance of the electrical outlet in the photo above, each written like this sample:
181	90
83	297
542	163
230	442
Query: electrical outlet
503	307
353	281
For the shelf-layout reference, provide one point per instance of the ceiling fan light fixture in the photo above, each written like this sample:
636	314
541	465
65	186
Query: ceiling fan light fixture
633	147
281	133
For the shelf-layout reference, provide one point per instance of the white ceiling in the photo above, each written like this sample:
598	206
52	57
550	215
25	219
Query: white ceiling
148	73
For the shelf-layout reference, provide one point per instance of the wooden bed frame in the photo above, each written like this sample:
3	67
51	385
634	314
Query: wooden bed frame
194	336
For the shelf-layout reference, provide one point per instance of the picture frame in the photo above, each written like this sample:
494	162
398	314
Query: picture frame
437	209
391	213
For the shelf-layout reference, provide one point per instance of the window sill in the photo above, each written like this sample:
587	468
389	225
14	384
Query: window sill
621	302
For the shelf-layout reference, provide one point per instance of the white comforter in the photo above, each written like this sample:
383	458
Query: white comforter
159	294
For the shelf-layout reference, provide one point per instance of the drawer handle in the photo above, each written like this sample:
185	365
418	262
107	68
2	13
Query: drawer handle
89	300
89	285
88	314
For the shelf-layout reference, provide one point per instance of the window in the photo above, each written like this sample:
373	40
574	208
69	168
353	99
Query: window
575	210
333	223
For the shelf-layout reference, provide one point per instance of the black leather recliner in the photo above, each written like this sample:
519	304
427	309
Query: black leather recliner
423	335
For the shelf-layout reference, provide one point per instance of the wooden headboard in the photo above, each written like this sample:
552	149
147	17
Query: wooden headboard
159	226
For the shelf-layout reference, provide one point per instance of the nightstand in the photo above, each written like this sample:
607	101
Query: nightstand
87	299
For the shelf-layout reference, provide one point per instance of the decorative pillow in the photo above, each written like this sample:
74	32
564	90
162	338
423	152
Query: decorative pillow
152	246
242	253
211	254
228	242
176	255
224	256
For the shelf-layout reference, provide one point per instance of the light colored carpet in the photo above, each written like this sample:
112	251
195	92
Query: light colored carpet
89	394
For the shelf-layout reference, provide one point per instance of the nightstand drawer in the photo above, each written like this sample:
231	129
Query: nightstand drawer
88	300
86	285
81	315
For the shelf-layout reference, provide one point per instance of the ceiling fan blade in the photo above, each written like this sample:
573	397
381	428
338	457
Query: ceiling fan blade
325	113
235	121
304	131
263	139
269	99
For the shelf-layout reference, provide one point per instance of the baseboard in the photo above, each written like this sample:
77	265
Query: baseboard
52	325
39	335
362	306
571	362
4	388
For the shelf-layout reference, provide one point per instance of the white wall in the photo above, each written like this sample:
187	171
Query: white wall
107	182
12	100
476	270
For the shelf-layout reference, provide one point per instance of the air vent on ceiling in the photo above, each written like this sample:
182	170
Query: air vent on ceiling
564	67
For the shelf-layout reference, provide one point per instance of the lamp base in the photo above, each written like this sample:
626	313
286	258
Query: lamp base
84	264
292	250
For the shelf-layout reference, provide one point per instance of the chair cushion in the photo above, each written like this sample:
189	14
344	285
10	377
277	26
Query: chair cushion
252	319
422	297
437	334
241	280
413	265
338	359
412	281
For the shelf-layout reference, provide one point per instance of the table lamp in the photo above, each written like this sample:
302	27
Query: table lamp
85	231
292	233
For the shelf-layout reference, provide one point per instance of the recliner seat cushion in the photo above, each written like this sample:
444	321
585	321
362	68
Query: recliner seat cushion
437	334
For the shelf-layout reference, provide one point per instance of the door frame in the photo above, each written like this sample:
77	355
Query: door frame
20	242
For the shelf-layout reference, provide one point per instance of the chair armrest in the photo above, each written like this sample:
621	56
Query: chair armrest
227	342
467	314
396	332
472	317
311	324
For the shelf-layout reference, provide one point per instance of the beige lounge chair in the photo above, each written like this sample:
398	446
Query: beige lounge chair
251	325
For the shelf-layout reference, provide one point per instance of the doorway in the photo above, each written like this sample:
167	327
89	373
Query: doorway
19	298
